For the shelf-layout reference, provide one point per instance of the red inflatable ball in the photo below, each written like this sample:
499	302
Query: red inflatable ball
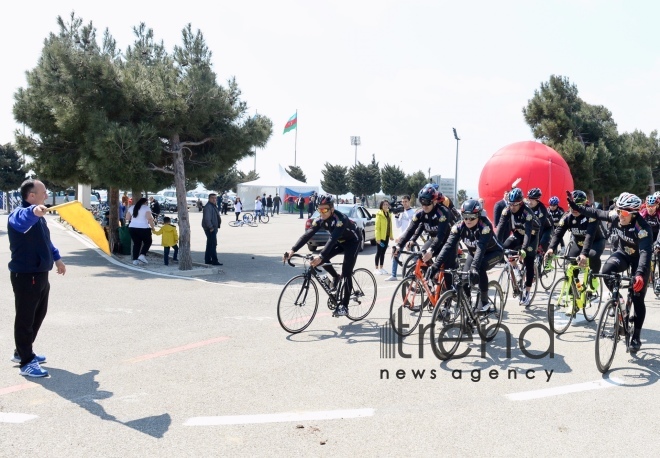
537	165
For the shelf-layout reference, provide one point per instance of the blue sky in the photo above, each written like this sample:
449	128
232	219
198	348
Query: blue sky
400	74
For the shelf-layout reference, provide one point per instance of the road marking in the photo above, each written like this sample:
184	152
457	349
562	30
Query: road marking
559	390
177	349
20	387
15	417
279	417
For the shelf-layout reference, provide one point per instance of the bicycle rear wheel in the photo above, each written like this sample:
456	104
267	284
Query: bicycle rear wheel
504	282
607	336
561	306
363	295
447	325
547	277
248	218
298	303
407	306
264	219
409	266
489	322
594	299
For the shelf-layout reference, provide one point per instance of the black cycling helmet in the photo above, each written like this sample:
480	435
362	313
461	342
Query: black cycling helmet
534	193
516	195
326	200
579	197
427	193
471	207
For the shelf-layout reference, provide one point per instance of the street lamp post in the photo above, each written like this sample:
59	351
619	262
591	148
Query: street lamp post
355	141
456	169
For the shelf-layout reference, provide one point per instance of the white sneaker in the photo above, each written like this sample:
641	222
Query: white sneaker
384	272
378	272
136	263
391	278
142	258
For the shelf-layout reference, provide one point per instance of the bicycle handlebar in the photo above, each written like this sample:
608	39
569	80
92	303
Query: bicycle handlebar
308	257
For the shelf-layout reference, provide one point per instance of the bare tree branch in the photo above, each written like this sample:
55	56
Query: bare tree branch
160	169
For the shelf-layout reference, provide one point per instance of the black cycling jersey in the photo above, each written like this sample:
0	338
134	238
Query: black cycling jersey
499	207
437	223
522	223
585	231
556	214
479	240
653	220
542	215
634	239
341	229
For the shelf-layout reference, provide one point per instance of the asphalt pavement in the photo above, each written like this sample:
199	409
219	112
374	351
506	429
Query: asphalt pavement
143	364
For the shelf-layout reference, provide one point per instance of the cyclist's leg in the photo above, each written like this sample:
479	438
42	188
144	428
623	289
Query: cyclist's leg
351	250
617	262
529	263
594	255
489	261
639	304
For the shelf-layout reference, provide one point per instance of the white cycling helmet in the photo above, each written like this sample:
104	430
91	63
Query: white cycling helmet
629	202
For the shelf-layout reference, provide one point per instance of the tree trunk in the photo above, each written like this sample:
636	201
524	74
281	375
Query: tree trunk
652	184
113	228
590	195
185	260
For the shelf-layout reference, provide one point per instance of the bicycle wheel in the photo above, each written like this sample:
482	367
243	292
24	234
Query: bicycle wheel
504	282
409	266
607	336
248	217
407	306
298	303
489	322
561	306
264	219
594	299
235	223
546	276
363	295
447	326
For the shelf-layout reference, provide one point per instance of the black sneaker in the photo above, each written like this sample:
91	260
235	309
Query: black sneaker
635	345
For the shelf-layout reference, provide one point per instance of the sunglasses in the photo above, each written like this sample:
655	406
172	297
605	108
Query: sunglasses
624	213
470	217
323	210
425	202
515	204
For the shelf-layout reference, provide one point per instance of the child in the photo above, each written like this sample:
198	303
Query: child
170	238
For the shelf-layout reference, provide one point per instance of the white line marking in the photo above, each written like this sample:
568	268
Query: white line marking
559	390
15	417
279	417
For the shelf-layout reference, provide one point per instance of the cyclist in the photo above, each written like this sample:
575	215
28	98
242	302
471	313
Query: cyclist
446	201
433	218
588	234
633	250
484	250
650	214
344	238
556	212
541	213
500	205
519	230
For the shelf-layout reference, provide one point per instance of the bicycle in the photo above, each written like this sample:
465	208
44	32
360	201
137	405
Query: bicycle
257	218
546	272
655	274
456	315
246	221
615	322
299	299
409	301
513	276
569	295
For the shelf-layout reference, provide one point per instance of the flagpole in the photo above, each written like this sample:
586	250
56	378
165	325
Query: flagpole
295	144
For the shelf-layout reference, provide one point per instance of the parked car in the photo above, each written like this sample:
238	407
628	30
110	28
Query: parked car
94	201
60	197
356	213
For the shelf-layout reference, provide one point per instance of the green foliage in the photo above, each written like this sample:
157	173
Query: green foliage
335	179
297	173
393	180
224	181
364	179
12	173
462	196
245	177
416	182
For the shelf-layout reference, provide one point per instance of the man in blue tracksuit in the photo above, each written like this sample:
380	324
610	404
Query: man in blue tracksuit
32	257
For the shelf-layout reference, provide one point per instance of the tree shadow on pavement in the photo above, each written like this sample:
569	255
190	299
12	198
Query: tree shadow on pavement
84	391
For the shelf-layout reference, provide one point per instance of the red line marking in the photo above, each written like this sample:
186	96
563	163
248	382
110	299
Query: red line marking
177	349
21	387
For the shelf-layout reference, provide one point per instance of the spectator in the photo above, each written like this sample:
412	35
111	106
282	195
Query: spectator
238	207
257	208
155	207
402	221
363	200
170	239
122	214
225	203
124	199
499	207
32	257
384	233
301	205
140	222
263	204
484	213
310	207
276	203
269	205
211	222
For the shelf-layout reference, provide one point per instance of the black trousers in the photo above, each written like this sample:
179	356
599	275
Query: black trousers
489	261
619	262
31	292
141	240
350	251
514	242
595	252
380	252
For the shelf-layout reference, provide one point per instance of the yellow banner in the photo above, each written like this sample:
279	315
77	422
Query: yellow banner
83	221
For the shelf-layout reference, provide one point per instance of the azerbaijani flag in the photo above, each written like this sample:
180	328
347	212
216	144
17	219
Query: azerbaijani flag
291	124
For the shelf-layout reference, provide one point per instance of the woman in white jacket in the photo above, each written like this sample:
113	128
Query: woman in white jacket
238	207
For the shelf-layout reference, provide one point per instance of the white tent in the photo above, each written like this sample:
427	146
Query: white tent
276	181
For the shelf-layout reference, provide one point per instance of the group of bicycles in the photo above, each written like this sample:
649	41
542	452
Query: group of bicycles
571	290
250	220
